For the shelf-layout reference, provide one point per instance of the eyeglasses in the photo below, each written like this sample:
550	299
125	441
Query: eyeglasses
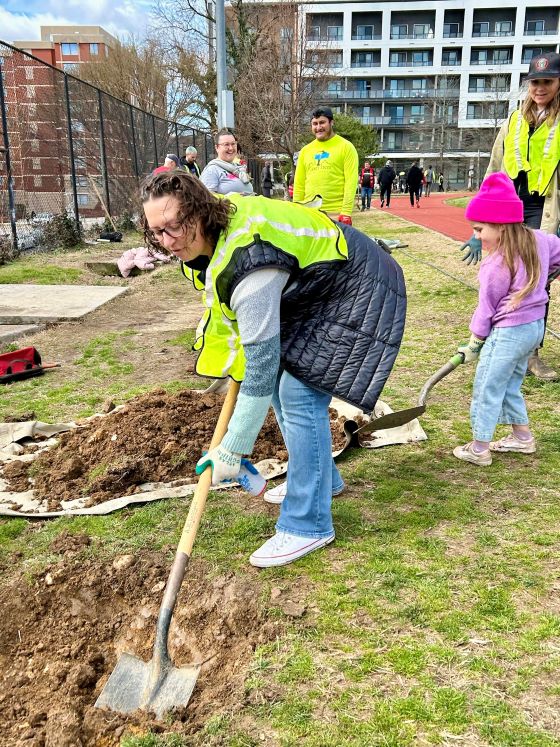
173	231
232	144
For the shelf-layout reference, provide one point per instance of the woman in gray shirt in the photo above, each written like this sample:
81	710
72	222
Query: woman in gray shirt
221	175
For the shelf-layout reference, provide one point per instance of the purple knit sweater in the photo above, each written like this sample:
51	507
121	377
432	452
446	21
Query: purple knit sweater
497	288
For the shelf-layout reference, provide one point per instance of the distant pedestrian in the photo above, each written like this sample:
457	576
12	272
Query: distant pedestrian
367	181
189	161
171	162
267	179
440	182
402	182
385	179
413	183
429	180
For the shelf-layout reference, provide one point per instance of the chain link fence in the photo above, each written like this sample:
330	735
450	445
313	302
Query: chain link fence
70	149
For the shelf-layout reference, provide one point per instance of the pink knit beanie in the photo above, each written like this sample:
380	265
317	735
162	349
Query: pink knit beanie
496	202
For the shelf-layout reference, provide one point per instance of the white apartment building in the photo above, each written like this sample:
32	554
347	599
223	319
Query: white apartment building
435	79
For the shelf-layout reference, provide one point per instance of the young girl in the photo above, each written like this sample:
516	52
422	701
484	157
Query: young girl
508	322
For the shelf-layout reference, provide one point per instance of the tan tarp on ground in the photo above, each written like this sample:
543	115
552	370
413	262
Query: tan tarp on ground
14	436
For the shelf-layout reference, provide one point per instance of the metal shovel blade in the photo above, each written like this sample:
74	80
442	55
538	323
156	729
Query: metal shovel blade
392	420
135	684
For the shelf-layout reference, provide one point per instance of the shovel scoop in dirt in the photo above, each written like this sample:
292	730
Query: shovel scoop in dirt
157	685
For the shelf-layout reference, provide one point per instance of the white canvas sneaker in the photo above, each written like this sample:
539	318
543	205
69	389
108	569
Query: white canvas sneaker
278	493
284	548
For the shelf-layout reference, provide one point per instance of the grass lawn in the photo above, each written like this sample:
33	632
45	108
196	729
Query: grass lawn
461	202
434	618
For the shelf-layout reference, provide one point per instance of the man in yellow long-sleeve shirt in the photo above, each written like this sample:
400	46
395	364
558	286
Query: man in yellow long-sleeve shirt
328	167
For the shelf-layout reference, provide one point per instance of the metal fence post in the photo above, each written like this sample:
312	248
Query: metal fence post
155	140
103	153
135	154
72	161
177	140
9	175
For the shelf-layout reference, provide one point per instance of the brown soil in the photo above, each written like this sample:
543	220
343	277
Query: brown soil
157	437
61	636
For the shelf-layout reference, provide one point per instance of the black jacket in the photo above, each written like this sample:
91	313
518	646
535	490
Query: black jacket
341	322
414	177
387	175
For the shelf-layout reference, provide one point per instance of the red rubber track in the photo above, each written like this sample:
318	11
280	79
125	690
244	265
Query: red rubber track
432	213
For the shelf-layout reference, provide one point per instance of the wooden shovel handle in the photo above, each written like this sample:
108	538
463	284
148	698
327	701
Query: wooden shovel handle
198	502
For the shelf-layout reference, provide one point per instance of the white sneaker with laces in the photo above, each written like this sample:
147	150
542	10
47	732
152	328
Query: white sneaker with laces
284	548
278	492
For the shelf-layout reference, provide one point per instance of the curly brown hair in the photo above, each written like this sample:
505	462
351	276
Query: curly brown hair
196	205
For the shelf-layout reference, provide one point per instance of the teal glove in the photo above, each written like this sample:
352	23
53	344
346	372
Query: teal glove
471	349
474	253
225	464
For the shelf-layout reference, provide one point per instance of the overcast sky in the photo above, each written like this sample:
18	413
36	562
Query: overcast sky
119	17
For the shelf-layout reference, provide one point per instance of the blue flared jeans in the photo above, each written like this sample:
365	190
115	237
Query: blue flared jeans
303	416
502	365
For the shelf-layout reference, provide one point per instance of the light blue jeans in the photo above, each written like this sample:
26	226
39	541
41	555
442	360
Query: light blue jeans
303	416
501	368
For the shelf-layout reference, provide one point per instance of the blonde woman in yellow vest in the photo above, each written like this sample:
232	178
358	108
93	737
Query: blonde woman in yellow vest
298	308
527	149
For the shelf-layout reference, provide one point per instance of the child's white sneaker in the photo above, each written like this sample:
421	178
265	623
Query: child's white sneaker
512	443
467	454
278	492
284	548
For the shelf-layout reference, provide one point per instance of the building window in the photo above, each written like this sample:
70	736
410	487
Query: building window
450	30
501	56
37	181
479	56
421	30
286	33
314	33
36	163
83	199
421	58
534	27
334	86
334	32
474	111
69	48
416	114
94	49
399	31
481	29
79	162
364	32
363	59
69	67
451	57
35	145
397	59
418	84
529	53
29	73
503	28
82	182
394	140
477	85
30	92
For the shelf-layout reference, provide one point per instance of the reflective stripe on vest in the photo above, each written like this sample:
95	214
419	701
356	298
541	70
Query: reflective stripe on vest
544	152
306	234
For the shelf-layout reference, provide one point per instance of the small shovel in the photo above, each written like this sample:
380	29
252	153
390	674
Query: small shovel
394	419
157	685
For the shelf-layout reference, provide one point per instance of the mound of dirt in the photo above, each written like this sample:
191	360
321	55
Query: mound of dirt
157	437
61	636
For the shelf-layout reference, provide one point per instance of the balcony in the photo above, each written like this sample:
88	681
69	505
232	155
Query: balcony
378	121
357	63
414	35
366	37
450	62
452	34
410	63
479	34
401	93
541	32
487	89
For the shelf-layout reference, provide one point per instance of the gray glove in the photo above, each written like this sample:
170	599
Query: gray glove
474	253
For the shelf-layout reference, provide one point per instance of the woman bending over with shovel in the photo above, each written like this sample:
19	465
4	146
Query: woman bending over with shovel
298	308
508	322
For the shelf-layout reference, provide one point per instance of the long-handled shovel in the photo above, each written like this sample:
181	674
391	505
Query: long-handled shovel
157	685
394	419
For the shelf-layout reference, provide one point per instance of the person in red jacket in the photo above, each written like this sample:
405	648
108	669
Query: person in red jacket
367	182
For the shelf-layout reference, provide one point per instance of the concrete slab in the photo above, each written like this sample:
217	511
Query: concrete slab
10	332
28	304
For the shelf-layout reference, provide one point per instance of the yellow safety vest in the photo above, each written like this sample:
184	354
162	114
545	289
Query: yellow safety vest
538	156
301	232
